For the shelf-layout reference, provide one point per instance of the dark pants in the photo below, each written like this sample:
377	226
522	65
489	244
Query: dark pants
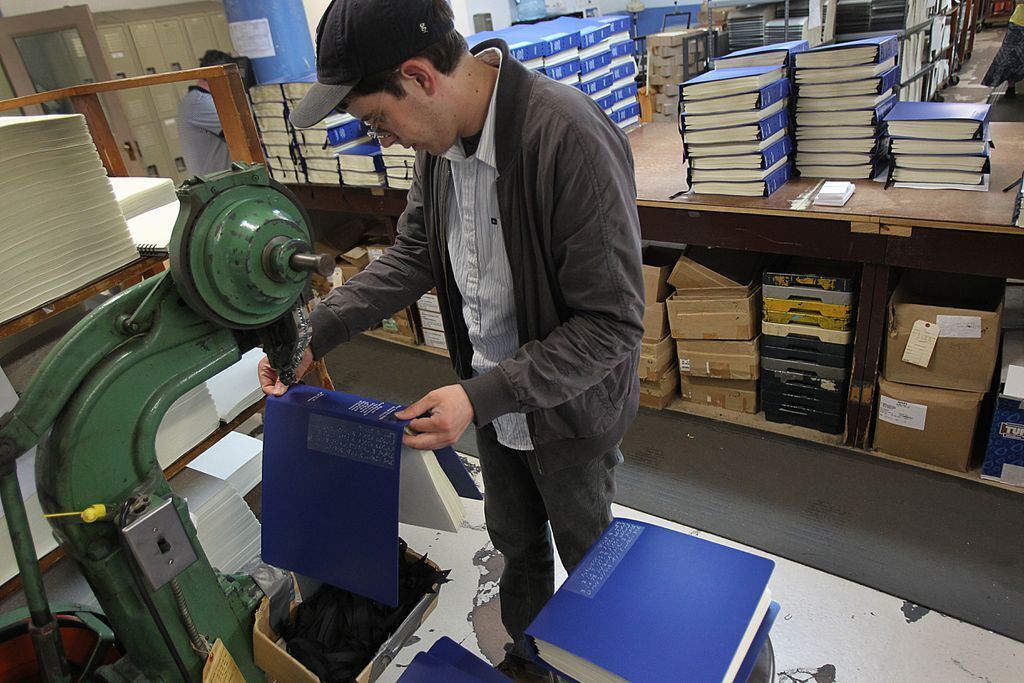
519	505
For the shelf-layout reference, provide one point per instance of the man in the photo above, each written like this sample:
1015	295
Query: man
202	138
523	214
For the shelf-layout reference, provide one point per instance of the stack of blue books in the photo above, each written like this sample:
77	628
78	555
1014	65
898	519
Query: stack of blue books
777	54
735	128
843	92
648	604
337	132
939	145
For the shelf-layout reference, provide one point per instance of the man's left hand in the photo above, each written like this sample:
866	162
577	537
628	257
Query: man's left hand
450	413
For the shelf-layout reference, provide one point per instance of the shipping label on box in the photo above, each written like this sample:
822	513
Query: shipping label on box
434	338
1004	455
429	302
927	424
729	394
721	359
718	318
431	321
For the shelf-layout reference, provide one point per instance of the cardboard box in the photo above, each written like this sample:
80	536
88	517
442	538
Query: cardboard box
732	394
968	311
429	302
715	318
431	321
270	655
1004	455
400	326
716	273
655	357
658	393
926	424
435	339
655	322
658	263
719	359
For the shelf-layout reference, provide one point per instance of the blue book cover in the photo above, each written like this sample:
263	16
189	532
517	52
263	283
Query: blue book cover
552	41
524	47
619	22
591	31
882	110
563	70
331	474
596	85
730	74
889	80
622	49
766	96
777	180
596	62
696	605
446	660
347	131
760	638
625	92
939	111
607	101
790	47
625	113
887	47
776	151
624	70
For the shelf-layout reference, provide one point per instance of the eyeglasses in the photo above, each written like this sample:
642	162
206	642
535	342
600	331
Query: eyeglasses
374	124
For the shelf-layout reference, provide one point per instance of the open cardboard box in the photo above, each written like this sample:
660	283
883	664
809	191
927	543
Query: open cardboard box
271	656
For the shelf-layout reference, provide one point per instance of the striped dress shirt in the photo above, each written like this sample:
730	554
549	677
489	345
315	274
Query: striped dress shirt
480	263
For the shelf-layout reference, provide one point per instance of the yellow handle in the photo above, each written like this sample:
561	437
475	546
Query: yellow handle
88	515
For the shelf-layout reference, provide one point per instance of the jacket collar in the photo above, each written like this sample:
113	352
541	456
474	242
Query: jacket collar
511	101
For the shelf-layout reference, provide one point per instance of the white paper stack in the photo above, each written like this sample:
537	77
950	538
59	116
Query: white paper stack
188	421
236	459
151	208
398	163
834	193
428	498
227	529
61	227
237	387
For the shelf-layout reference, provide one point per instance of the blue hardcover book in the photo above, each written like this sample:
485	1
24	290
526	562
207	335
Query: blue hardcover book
622	49
623	114
760	638
865	86
625	92
941	120
776	54
446	660
521	45
564	70
647	603
599	61
595	85
591	31
619	22
351	129
777	180
623	70
762	130
777	151
757	99
606	101
873	50
331	474
724	82
552	40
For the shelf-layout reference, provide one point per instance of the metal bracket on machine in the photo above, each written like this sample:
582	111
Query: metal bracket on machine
159	544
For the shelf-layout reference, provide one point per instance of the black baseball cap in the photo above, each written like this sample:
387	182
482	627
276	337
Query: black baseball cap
358	38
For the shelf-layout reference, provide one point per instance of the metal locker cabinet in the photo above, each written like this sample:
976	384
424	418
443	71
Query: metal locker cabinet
119	51
176	49
219	22
170	132
200	34
154	150
151	59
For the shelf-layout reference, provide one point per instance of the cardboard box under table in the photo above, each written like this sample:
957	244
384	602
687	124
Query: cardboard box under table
927	424
717	295
655	358
968	312
658	392
657	265
719	359
731	394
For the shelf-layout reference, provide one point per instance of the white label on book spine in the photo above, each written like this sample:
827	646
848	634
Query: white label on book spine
902	413
961	326
252	38
921	343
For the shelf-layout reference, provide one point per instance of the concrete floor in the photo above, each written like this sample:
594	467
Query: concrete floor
829	630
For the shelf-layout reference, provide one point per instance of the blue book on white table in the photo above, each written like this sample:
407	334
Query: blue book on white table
875	50
776	54
649	604
446	661
331	488
938	120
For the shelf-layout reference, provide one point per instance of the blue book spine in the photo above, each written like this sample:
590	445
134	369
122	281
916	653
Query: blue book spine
888	49
625	92
624	70
622	49
776	151
524	49
883	109
627	112
773	124
596	62
770	94
600	33
889	80
347	131
596	85
563	70
619	22
776	180
606	102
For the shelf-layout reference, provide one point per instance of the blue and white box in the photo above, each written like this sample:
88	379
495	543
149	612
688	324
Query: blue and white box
1004	456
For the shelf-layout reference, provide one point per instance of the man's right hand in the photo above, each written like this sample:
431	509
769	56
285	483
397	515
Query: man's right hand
271	383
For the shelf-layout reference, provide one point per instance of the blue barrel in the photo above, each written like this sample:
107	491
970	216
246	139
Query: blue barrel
275	37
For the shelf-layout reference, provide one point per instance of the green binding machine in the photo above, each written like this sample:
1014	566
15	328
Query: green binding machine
240	258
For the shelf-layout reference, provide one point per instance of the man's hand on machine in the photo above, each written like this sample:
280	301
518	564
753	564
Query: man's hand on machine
450	413
271	383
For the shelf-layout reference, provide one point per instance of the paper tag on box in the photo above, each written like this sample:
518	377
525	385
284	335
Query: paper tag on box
684	365
902	413
921	343
962	326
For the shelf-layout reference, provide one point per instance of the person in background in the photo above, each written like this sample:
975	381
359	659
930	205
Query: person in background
202	138
522	213
1008	64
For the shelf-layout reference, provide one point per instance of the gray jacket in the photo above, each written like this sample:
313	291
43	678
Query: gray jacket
567	196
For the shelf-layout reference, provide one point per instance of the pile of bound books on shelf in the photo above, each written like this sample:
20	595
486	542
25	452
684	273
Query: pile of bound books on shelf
593	55
271	104
939	145
806	345
843	92
735	128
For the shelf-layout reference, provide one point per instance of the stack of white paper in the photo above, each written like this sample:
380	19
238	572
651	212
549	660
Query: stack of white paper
136	196
237	387
188	421
61	227
227	529
428	498
398	163
236	459
834	193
